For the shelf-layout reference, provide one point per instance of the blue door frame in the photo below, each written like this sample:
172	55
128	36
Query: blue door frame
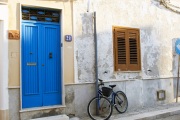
41	64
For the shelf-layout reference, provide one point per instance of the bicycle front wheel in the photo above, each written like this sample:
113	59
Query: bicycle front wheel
99	108
120	102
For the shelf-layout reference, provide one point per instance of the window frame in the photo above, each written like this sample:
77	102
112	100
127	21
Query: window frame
128	66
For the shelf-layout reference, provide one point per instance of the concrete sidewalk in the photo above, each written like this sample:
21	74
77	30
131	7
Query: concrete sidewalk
161	111
151	113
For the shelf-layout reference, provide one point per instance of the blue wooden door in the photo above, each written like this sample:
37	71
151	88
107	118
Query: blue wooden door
51	60
41	73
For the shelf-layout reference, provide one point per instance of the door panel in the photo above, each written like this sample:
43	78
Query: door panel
52	84
31	83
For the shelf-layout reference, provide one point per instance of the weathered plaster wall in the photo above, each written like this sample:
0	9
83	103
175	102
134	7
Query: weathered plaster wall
158	27
158	30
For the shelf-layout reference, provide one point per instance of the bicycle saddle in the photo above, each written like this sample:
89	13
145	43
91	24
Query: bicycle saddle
112	86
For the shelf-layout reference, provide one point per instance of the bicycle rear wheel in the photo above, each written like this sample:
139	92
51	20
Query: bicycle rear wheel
120	102
104	108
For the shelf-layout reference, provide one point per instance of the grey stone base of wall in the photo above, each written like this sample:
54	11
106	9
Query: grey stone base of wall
26	115
77	98
140	93
14	104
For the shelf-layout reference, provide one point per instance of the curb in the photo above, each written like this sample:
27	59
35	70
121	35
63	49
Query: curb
153	115
57	117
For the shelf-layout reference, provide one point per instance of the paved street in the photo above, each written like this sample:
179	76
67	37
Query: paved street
174	117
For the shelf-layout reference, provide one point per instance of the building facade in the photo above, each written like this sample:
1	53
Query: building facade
47	63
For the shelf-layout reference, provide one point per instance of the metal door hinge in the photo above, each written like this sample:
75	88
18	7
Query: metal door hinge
61	45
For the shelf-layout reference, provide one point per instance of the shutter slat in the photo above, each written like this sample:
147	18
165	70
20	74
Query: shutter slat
133	48
121	49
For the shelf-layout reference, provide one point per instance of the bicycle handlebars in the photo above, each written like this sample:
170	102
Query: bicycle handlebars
101	82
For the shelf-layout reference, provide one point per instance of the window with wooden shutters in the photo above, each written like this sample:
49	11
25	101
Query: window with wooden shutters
126	49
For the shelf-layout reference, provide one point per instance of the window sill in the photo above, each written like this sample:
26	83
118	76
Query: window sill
127	71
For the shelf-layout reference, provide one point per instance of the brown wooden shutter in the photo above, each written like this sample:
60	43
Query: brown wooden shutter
134	51
120	49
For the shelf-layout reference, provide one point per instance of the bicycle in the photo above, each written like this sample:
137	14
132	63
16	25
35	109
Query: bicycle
105	101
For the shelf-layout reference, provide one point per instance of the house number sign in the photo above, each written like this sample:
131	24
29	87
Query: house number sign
177	46
68	38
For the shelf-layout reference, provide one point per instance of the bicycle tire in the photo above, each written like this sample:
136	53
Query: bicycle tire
105	108
120	105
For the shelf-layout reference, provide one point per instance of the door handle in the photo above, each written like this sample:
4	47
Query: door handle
50	55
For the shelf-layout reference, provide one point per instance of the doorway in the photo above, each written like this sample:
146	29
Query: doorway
41	58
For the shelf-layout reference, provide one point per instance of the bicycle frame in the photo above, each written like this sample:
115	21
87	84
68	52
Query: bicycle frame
98	103
111	97
114	98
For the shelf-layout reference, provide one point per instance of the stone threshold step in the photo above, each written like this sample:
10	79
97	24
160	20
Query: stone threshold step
57	117
153	115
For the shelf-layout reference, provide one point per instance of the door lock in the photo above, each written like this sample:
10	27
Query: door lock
50	55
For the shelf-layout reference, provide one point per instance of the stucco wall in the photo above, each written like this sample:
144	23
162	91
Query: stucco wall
158	27
158	31
3	62
66	29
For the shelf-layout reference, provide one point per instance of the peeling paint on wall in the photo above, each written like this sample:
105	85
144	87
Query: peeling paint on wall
69	98
157	25
87	23
150	61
